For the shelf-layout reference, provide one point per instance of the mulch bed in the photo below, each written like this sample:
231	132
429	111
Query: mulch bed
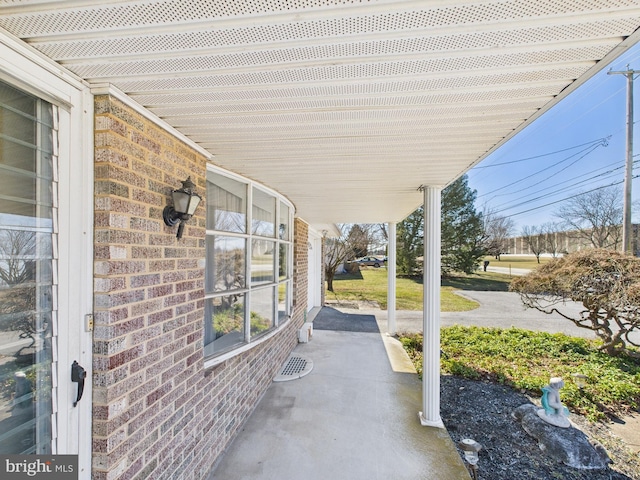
482	411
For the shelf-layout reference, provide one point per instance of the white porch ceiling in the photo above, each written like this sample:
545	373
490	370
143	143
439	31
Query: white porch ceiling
344	106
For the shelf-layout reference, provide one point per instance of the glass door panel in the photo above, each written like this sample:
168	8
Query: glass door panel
27	268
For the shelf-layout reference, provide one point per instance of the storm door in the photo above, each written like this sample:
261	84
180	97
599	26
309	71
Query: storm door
28	321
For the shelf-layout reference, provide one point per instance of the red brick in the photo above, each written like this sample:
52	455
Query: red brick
157	394
158	413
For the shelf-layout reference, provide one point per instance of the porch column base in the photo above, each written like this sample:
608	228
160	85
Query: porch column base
430	423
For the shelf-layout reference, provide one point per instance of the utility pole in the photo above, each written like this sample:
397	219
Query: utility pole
626	209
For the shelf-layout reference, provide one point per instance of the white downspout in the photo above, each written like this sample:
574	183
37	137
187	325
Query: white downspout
391	279
430	414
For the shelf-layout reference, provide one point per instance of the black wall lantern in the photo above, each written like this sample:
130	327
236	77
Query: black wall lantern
185	202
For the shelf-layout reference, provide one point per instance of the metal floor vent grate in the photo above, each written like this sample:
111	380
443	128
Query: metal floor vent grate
295	367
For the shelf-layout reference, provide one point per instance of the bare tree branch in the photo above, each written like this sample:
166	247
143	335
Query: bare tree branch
534	237
595	217
497	232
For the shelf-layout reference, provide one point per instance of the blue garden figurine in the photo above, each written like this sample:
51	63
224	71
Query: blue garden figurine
553	411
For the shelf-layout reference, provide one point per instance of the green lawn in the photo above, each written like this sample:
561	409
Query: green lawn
479	281
371	284
515	261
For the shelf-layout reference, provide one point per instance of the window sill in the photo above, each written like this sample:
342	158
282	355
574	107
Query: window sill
211	362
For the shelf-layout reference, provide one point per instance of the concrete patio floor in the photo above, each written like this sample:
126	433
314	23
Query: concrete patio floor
354	416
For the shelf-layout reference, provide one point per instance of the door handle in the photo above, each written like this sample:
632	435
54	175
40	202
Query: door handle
78	374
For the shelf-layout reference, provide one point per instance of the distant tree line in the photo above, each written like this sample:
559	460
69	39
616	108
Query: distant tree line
592	218
468	235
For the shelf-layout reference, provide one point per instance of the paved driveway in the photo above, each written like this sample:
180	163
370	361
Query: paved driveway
505	310
497	309
509	271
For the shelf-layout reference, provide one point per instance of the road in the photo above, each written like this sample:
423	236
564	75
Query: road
497	309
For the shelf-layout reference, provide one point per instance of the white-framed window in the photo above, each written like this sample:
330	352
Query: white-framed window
28	269
249	258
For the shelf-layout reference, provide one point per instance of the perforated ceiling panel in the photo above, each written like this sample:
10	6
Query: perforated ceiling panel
345	106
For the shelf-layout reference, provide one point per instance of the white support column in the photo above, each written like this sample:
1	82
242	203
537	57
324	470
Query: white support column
430	414
391	279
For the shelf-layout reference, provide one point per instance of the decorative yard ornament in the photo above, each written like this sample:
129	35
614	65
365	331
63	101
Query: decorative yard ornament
470	449
553	411
580	379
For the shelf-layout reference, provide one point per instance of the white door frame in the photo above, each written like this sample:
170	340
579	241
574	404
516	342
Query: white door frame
25	69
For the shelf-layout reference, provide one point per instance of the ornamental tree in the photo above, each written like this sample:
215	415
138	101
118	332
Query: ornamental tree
605	282
410	238
462	234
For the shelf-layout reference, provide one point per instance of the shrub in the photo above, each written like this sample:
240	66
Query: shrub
526	360
605	282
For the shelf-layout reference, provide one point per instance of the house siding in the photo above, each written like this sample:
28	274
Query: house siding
157	412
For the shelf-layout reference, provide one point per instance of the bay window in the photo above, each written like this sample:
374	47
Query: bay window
248	280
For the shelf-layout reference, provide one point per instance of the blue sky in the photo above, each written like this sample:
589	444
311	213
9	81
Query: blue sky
563	152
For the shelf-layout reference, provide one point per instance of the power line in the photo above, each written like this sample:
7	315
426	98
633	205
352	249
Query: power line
566	198
588	150
600	176
583	180
586	93
538	198
602	141
507	206
563	169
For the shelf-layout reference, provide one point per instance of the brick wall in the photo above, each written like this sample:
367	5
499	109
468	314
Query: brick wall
300	266
157	412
